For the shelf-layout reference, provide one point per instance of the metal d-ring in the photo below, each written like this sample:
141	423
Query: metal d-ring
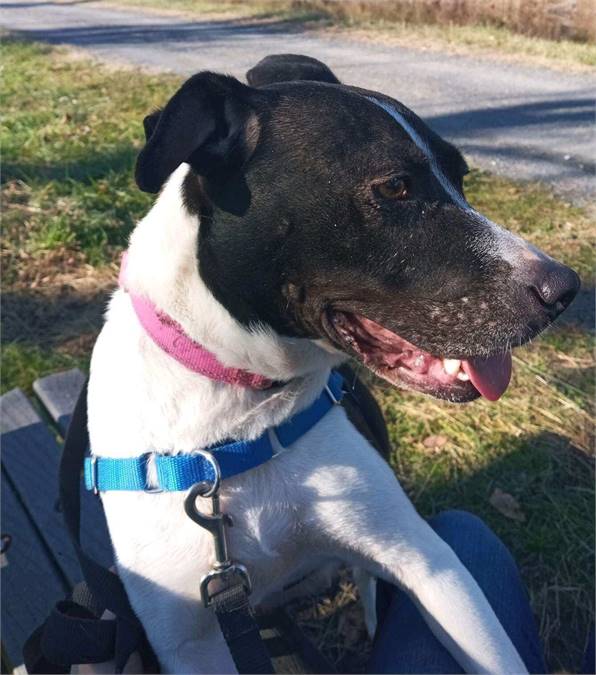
216	473
332	396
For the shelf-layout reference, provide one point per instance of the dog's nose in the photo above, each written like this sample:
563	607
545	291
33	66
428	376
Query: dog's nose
555	285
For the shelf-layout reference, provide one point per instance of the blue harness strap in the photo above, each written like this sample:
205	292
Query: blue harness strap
180	472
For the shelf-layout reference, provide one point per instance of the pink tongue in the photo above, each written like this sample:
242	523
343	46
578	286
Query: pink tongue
489	375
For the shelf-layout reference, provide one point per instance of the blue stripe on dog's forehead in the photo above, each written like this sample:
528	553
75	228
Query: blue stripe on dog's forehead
424	147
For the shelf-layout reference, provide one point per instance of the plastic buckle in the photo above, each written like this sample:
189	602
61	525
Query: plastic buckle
150	490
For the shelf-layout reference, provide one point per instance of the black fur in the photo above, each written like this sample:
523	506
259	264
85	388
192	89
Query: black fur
150	122
285	179
287	68
203	124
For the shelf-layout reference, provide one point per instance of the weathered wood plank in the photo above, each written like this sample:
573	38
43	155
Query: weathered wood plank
58	393
31	581
30	456
16	411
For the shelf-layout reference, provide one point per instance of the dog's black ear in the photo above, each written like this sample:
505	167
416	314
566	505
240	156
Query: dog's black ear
289	67
150	122
209	122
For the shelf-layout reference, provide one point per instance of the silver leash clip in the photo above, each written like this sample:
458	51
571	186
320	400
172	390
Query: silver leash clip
225	573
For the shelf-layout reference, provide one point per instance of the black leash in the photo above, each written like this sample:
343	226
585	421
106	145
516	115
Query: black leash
74	632
226	587
240	630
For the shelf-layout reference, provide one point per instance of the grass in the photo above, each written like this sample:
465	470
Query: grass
70	132
481	39
466	26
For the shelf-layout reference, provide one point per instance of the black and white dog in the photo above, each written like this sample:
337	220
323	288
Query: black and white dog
300	220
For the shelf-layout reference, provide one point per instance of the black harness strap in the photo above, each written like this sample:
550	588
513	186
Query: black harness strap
74	632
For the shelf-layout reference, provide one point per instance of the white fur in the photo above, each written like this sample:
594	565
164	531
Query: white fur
329	497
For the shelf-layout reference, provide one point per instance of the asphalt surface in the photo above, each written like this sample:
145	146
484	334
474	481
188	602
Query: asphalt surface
519	121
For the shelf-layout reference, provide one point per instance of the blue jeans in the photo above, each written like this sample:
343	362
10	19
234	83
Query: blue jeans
404	643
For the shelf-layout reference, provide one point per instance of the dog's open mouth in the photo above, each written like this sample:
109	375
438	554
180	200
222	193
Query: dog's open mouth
402	363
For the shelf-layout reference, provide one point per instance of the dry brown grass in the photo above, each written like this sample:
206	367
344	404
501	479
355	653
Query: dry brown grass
542	33
334	623
553	19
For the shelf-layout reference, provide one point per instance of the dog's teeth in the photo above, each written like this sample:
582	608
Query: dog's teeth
451	366
463	376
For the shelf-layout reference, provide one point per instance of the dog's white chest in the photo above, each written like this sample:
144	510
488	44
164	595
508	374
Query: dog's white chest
163	555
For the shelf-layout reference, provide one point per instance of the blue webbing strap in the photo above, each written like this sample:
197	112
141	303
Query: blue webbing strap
180	472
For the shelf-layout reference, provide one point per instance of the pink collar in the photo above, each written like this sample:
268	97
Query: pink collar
170	336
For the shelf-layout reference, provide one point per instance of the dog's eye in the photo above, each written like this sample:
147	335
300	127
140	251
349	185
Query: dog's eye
394	188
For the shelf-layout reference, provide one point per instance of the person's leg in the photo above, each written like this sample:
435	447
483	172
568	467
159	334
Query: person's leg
589	665
403	642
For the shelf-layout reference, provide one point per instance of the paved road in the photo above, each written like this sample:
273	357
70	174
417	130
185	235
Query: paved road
523	122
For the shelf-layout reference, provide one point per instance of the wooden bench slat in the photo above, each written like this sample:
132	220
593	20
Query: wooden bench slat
30	456
16	411
59	393
31	581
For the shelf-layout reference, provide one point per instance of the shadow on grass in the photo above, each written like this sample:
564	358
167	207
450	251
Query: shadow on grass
50	318
86	169
48	330
582	312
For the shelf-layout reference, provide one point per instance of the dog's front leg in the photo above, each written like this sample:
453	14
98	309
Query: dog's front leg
162	556
185	636
371	520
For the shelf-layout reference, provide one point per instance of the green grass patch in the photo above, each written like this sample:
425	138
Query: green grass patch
481	39
457	458
23	364
70	133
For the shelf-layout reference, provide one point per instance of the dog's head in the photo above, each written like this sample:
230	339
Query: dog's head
333	212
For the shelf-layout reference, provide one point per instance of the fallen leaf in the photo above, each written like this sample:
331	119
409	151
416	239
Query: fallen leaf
507	505
434	442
